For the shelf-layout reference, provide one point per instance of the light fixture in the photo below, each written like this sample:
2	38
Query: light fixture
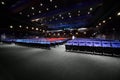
20	13
118	13
20	26
78	11
78	14
70	16
55	6
37	29
69	13
84	32
33	13
2	3
39	11
28	15
76	33
11	27
99	24
32	28
32	8
50	0
88	12
41	4
27	27
47	9
62	17
110	17
91	9
104	21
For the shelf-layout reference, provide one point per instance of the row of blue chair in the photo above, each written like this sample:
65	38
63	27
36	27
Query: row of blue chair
94	45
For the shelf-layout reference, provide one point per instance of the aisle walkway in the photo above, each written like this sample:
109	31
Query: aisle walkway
23	63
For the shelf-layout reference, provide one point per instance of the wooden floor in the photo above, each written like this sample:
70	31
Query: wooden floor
24	63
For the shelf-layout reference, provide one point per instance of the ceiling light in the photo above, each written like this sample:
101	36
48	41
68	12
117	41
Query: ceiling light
118	13
82	29
41	4
28	15
20	26
99	24
33	13
84	32
78	14
32	28
62	17
69	13
91	9
110	17
70	16
2	3
27	27
78	11
47	9
50	0
37	29
104	21
39	11
11	26
88	12
55	6
20	13
76	32
32	8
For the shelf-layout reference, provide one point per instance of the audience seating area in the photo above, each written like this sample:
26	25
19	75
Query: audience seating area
40	42
101	46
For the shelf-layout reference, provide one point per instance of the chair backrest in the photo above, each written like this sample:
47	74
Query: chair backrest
115	44
106	44
89	43
82	43
97	43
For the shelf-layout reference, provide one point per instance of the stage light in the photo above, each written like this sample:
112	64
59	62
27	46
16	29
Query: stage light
69	13
76	33
62	17
11	27
118	14
70	16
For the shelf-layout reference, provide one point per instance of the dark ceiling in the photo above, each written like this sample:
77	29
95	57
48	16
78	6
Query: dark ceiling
55	14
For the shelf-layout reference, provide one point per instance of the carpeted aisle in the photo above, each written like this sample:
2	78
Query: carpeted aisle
24	63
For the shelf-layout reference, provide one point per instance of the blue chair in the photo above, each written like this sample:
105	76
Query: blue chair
97	46
106	46
89	46
69	45
115	47
75	45
82	45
